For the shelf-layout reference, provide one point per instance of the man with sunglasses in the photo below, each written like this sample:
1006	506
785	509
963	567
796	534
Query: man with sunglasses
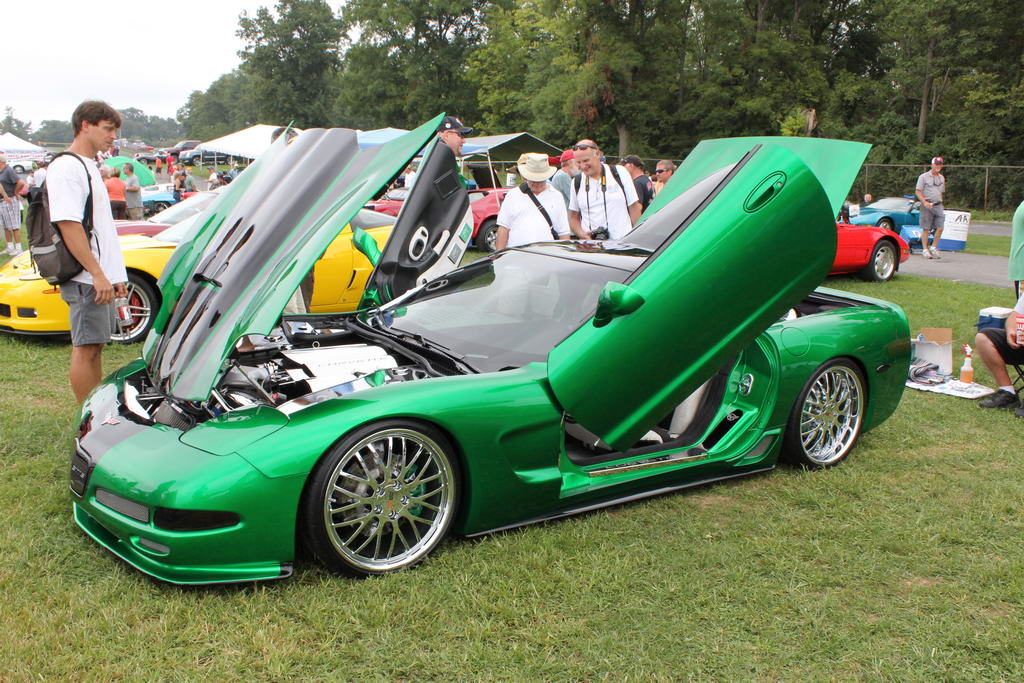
662	172
603	203
453	133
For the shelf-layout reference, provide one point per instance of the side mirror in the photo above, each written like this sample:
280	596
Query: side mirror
616	299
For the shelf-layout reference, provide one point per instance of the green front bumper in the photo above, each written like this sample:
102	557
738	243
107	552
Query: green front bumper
134	470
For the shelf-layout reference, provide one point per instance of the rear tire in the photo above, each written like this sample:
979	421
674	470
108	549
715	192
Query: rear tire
487	236
827	417
883	263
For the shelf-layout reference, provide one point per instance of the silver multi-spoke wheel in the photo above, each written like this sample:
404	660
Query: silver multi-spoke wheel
885	261
827	419
388	499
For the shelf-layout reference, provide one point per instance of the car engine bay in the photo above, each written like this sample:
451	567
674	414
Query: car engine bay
294	367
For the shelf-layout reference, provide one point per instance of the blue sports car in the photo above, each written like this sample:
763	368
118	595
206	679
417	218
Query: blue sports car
889	212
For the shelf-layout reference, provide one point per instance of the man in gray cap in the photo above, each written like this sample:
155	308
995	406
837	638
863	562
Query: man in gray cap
931	187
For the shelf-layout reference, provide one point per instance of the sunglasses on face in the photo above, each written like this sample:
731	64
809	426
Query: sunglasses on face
461	135
580	148
661	170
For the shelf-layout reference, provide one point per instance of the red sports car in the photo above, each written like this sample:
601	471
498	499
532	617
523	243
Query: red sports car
872	252
484	202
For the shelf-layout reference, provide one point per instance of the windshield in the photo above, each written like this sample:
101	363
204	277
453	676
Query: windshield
657	228
178	212
890	204
503	311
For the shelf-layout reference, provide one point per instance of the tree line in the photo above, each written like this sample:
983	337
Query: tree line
135	125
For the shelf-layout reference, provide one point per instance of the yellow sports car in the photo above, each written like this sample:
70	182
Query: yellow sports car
29	305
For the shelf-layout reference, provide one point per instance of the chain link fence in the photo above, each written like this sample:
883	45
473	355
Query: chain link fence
967	187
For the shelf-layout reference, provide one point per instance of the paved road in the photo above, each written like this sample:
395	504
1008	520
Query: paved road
960	267
989	229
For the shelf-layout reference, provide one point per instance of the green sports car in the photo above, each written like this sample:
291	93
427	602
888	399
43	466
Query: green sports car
536	383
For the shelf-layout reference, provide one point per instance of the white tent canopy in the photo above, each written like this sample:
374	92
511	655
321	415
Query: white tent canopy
248	143
9	142
20	153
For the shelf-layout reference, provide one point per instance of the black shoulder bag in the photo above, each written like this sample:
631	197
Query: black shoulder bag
50	255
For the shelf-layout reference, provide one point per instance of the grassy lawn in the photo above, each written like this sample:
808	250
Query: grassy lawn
993	216
905	563
990	245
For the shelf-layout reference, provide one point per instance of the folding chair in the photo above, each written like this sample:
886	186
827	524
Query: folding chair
1018	381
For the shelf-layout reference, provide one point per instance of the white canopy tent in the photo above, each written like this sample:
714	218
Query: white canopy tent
20	153
248	143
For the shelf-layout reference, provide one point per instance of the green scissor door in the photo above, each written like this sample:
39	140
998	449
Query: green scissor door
732	252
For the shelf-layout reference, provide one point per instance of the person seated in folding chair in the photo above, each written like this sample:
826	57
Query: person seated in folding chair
998	349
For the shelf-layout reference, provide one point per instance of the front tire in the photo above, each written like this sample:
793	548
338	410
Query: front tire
382	499
143	303
487	236
827	417
887	224
881	267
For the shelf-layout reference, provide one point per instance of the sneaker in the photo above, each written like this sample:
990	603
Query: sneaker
935	254
926	253
1000	399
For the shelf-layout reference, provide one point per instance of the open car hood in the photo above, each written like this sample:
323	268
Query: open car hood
249	251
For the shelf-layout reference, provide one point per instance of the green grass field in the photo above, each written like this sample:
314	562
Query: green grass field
991	245
904	563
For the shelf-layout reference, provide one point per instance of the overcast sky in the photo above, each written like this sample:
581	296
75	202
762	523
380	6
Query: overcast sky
146	54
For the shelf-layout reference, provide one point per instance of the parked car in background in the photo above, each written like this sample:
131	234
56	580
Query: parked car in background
30	306
871	252
485	204
151	156
889	212
180	147
201	157
156	198
172	215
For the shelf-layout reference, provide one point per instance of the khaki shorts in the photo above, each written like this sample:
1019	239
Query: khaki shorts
91	323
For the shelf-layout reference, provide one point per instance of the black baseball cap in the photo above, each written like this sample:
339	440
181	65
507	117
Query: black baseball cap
452	123
633	159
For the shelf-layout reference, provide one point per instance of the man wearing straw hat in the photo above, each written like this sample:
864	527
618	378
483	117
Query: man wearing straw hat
534	211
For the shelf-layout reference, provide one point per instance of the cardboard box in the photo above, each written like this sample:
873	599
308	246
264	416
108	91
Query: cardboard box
935	345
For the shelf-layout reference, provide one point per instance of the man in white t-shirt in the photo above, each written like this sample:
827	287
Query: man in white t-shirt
603	203
90	293
529	214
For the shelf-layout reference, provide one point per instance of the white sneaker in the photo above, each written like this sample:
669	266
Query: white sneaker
9	250
935	254
926	253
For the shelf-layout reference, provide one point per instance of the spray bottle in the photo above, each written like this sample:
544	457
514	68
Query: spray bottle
967	370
